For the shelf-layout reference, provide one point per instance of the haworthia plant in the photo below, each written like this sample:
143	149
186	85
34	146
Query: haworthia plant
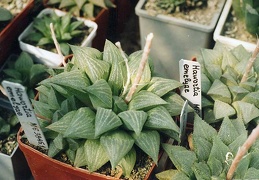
85	8
85	104
211	153
222	90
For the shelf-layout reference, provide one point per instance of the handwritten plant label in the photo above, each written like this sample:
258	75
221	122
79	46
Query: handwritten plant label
190	77
183	121
21	104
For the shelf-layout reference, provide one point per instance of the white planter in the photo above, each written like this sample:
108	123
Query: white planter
174	39
14	166
231	42
46	57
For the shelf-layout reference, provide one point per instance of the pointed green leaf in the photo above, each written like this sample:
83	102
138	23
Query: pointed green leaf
175	104
95	155
242	167
246	111
105	121
117	144
252	98
82	124
181	158
62	125
161	86
149	142
201	171
119	105
228	79
215	166
219	91
202	147
219	150
227	132
254	160
252	173
159	118
237	143
100	94
205	83
145	100
95	69
133	120
118	71
228	59
222	109
238	92
204	130
167	174
128	162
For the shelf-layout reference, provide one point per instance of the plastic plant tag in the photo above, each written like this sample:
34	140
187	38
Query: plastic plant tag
22	106
183	121
190	77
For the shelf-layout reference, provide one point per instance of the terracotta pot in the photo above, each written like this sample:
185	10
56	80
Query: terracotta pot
44	167
9	35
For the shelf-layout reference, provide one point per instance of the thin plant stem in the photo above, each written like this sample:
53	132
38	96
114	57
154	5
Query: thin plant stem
140	68
250	63
57	44
242	151
125	88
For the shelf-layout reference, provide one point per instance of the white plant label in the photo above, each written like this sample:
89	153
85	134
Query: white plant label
190	77
22	106
183	120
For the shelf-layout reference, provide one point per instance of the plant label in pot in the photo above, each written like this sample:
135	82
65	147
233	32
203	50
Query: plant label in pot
23	109
190	77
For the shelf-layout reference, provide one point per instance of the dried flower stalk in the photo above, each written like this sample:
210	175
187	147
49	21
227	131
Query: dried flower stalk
141	67
57	44
250	63
242	151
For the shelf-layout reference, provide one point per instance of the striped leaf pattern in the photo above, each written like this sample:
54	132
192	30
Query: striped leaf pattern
133	120
95	69
118	72
117	144
105	120
149	142
145	100
95	154
100	94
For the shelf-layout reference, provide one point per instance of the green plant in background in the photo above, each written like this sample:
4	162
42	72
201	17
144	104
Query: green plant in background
66	29
211	153
90	116
171	6
23	70
5	17
248	11
84	8
223	91
9	125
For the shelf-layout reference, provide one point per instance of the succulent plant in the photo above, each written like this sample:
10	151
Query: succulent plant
5	15
90	117
248	11
84	8
223	92
9	125
66	29
171	6
211	153
21	69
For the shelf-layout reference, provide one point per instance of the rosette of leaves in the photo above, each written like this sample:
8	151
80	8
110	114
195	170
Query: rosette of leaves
171	6
223	93
212	152
66	28
89	118
248	11
21	69
9	125
83	8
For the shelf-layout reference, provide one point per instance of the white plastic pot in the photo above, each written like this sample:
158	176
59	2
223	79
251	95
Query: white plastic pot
231	42
52	59
174	39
